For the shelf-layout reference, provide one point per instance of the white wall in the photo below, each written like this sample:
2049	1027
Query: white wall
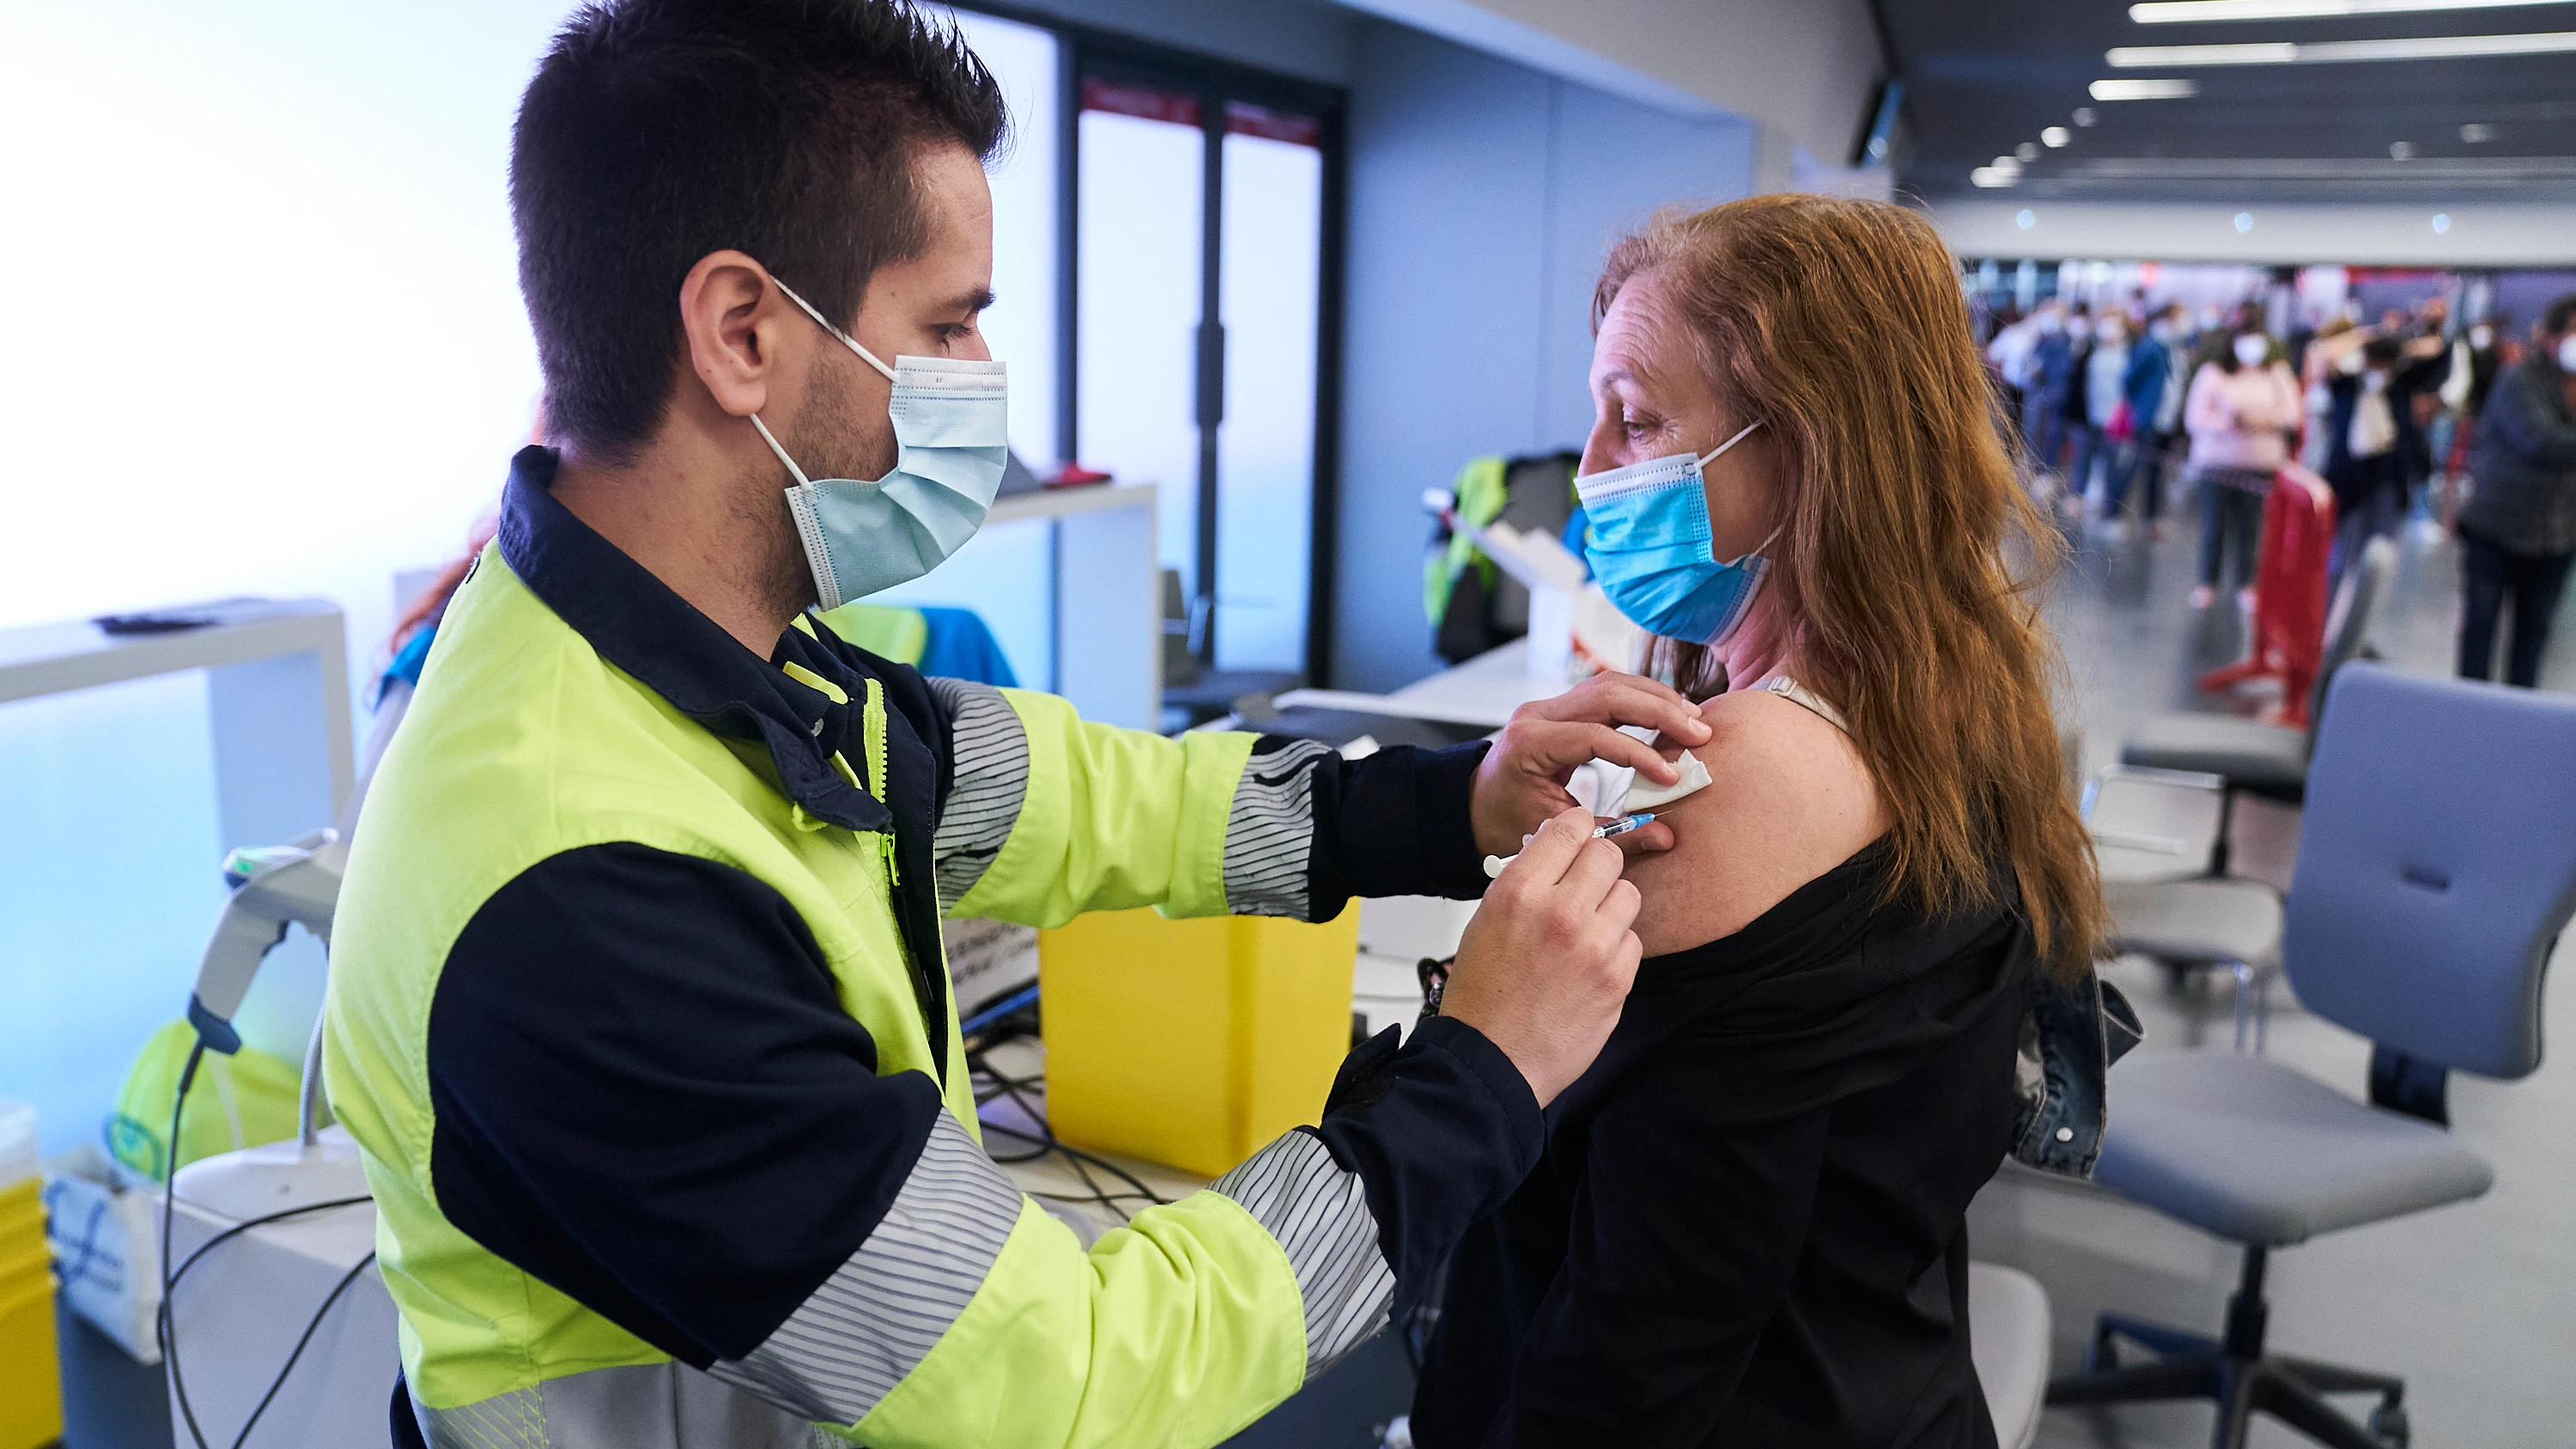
1802	70
2286	235
1482	197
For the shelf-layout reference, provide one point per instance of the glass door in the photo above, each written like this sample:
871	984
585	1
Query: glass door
1202	266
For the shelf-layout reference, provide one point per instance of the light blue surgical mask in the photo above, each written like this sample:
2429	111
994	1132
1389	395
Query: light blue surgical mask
951	447
1649	545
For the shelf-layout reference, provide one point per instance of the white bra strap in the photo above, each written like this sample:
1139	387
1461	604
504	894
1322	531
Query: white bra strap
1796	693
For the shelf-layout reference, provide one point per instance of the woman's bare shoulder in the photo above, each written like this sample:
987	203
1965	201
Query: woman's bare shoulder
1789	798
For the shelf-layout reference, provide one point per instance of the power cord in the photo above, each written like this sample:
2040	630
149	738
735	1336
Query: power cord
1017	1089
170	1277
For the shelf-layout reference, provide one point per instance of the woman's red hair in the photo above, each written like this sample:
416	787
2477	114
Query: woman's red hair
1841	323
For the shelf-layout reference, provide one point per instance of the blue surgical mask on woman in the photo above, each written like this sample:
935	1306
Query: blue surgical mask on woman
951	448
1650	547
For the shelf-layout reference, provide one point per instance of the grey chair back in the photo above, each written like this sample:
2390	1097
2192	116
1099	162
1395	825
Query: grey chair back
2356	608
2437	865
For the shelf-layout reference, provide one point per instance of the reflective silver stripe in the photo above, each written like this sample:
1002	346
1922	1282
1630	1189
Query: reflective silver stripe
1270	832
876	1318
643	1406
1321	1218
989	757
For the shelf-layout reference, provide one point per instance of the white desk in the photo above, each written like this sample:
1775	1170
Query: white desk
277	697
277	705
1108	597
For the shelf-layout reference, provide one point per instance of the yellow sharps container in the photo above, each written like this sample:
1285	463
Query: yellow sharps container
1193	1042
31	1389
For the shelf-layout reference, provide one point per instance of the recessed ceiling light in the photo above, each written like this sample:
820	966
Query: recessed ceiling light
2026	151
2086	115
2441	221
2330	52
2143	90
2244	221
2476	131
2401	150
2025	219
1990	177
2056	136
2173	12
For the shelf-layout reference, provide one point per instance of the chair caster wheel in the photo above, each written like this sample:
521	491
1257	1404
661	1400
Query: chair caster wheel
2388	1421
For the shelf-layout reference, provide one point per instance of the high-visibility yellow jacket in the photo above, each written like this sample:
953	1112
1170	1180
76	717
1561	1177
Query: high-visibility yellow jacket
639	1014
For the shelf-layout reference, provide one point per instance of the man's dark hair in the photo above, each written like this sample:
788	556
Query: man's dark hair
657	131
2560	316
2382	352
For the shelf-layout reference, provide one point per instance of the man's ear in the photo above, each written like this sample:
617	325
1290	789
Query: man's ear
730	313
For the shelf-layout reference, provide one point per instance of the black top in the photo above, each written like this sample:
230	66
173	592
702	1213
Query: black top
2525	462
647	1093
1749	1226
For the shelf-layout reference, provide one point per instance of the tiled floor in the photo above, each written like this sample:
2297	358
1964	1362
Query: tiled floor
2475	1304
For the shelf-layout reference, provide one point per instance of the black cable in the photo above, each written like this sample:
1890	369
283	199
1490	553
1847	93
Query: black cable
164	1323
1015	1088
310	1328
170	1215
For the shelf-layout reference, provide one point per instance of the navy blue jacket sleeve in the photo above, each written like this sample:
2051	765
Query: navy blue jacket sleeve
1440	1129
648	1097
1395	824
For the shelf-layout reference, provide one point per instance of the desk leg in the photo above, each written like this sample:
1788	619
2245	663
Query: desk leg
1109	616
282	768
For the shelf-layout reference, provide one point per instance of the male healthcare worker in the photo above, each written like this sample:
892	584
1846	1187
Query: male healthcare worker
638	1007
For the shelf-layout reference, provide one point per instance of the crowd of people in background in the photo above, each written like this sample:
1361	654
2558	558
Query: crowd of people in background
2470	431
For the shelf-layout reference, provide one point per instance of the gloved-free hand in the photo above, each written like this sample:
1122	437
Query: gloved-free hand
1546	962
1523	777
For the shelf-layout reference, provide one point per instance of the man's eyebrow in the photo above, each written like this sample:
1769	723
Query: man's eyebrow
974	301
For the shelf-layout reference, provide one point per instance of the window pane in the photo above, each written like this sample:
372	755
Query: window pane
1139	288
1267	279
1021	327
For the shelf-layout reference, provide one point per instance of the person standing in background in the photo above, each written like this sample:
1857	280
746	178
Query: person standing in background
2145	386
2414	382
2047	375
2072	418
2159	454
2365	462
2239	413
2106	423
2008	357
2518	531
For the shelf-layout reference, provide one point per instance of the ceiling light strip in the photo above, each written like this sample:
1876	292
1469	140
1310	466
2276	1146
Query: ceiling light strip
2331	52
2144	90
2194	12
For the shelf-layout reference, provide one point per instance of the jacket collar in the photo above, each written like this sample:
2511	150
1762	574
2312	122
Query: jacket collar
637	623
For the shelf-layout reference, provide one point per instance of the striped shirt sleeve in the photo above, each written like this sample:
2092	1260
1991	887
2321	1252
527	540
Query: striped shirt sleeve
1320	1215
989	763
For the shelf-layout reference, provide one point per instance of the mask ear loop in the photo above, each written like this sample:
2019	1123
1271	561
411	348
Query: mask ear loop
846	339
1711	456
798	473
1706	458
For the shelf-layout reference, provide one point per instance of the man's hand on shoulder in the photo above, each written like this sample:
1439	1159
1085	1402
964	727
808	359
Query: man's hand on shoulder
1521	783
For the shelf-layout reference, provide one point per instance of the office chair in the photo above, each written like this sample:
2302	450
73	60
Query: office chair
2436	869
2008	1331
2250	756
2225	922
